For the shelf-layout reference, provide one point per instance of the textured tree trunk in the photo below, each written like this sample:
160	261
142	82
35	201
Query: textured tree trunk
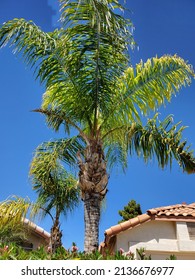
93	181
92	217
56	236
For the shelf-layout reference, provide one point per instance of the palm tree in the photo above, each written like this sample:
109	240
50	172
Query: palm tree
93	91
57	189
12	213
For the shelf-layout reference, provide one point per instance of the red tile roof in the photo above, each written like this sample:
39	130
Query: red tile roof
180	212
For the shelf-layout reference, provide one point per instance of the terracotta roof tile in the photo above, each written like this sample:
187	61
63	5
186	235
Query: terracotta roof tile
128	224
174	210
170	212
143	218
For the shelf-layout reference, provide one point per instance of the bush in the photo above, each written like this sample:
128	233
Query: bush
15	252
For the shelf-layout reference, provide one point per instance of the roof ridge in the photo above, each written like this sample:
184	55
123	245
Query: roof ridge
152	214
165	207
191	205
140	219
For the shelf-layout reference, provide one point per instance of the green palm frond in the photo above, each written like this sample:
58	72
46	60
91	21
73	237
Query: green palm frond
162	140
79	64
63	149
27	38
55	118
47	169
97	14
13	233
14	209
116	155
57	189
60	196
13	212
157	139
151	84
96	56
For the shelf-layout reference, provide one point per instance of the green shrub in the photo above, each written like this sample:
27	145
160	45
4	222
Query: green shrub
13	251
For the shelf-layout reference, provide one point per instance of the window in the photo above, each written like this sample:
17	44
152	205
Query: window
191	230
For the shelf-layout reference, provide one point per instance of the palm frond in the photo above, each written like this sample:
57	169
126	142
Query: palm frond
157	139
13	210
79	65
95	56
57	189
55	118
48	153
27	38
13	233
13	213
98	14
116	155
163	141
152	84
115	146
47	171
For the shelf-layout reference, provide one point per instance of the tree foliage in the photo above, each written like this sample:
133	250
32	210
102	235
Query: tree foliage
93	90
12	214
131	210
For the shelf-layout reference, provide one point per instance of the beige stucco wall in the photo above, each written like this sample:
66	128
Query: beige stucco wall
36	236
37	240
160	239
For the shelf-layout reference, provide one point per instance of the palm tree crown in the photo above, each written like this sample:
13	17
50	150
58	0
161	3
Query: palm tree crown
91	87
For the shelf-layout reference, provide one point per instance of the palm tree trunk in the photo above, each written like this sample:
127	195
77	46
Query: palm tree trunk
91	217
56	235
93	181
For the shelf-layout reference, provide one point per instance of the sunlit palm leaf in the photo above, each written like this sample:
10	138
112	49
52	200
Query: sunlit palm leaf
160	140
151	84
27	38
12	210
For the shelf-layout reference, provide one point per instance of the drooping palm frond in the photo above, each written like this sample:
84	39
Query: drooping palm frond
27	38
13	210
38	48
160	140
62	198
47	169
13	213
151	84
61	149
55	118
57	189
163	141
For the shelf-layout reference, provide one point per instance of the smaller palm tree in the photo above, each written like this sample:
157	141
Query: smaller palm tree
57	189
12	212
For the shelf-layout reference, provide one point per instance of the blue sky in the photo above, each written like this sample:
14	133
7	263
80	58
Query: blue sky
161	27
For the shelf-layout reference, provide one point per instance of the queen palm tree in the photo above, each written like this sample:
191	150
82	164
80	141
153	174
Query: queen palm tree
56	188
92	89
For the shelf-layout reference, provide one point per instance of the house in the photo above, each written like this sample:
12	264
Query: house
36	237
162	232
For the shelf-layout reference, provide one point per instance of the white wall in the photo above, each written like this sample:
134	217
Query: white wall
160	239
